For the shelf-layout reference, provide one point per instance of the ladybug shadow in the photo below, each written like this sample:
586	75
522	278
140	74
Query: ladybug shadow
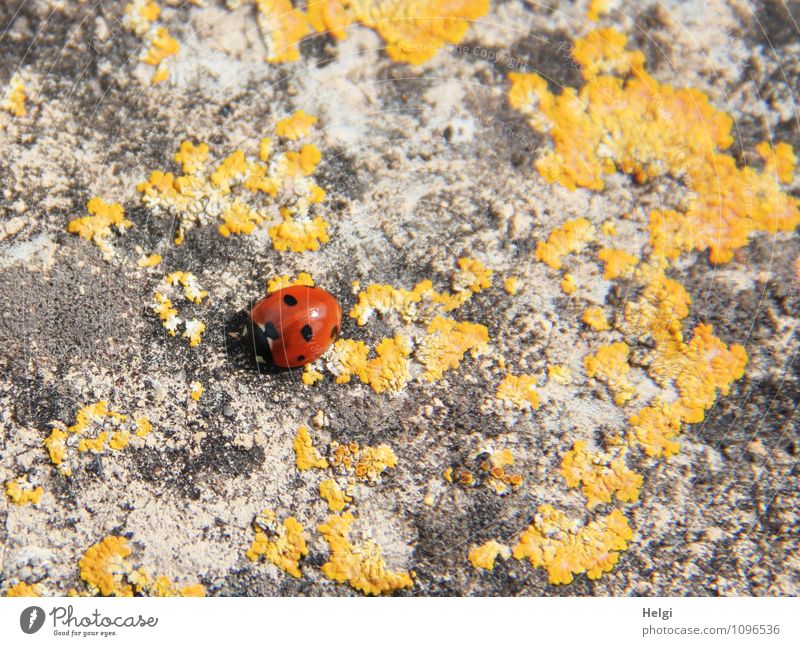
247	348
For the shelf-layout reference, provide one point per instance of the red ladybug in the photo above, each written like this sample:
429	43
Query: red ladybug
295	325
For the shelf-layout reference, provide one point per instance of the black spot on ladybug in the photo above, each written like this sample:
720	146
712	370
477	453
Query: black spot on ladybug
290	300
270	331
307	332
334	332
301	357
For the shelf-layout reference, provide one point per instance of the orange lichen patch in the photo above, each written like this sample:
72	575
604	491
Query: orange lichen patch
140	15
335	496
610	364
96	429
415	30
780	160
306	456
571	237
560	374
511	285
473	275
103	567
299	234
282	544
484	556
603	51
238	218
279	282
385	298
282	28
600	475
609	228
362	565
97	227
151	260
311	375
348	358
295	126
13	100
365	463
22	589
107	572
568	285
596	319
655	426
243	194
193	329
196	390
618	263
191	157
162	46
446	344
518	391
302	163
598	8
331	17
389	370
633	123
491	472
21	492
564	548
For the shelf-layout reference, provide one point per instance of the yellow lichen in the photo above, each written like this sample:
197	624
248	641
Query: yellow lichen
151	260
568	285
446	344
306	456
610	364
162	46
191	157
365	463
279	282
96	429
571	237
484	556
242	193
595	319
336	498
97	226
618	263
598	8
282	544
511	285
282	28
560	374
13	100
22	589
389	370
600	475
196	390
295	126
238	218
140	15
106	570
299	234
103	567
348	358
623	119
473	275
362	565
21	492
193	329
311	376
780	160
518	391
565	548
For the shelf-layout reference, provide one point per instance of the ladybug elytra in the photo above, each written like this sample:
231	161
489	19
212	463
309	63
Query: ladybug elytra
295	325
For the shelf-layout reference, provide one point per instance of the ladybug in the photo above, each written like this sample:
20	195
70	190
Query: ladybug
295	325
